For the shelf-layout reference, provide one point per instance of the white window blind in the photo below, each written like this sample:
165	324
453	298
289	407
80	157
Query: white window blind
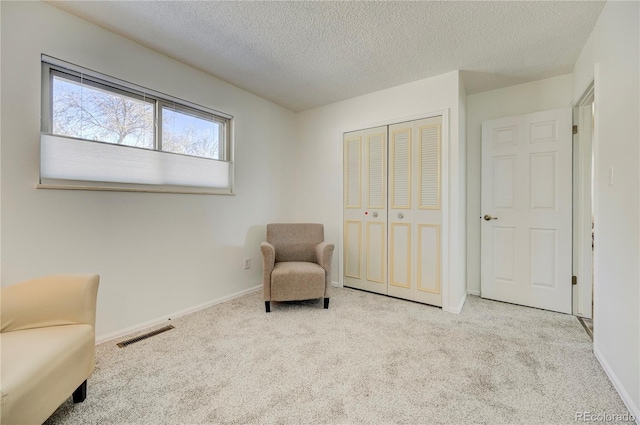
69	159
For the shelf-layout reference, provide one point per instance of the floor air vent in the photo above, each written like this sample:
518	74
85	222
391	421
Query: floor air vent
145	336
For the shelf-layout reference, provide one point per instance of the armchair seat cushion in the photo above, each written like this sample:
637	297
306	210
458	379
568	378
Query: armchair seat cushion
40	365
297	280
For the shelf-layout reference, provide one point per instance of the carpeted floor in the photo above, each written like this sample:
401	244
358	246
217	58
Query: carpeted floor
369	359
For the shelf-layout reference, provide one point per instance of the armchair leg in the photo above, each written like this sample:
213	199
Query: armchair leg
326	303
267	306
80	393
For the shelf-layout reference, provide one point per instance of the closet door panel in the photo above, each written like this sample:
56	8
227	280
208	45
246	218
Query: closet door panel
401	200
428	212
365	213
353	196
400	255
376	258
428	258
353	249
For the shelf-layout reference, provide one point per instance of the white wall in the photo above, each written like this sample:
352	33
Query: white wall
156	253
318	194
613	48
551	93
461	287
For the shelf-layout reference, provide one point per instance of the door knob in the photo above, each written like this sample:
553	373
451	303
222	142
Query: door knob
375	214
400	216
488	217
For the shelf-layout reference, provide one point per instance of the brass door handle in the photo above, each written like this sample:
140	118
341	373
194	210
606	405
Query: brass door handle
488	217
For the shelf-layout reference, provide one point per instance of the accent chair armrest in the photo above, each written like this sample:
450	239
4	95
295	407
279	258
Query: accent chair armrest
268	263
64	299
324	253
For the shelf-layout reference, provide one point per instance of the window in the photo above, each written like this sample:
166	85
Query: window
99	129
88	110
191	132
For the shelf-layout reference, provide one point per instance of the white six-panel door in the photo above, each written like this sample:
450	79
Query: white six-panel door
526	210
405	221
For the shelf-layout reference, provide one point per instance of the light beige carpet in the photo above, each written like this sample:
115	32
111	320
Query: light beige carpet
369	359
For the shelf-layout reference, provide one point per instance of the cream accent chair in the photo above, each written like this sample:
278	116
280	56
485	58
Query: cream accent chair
47	345
297	263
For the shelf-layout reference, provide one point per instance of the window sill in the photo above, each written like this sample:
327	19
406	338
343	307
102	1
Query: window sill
173	190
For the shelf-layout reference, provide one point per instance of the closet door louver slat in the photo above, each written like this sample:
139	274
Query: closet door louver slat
376	167
429	167
401	168
354	181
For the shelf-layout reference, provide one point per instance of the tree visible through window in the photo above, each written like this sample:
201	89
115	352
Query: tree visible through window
90	110
189	134
85	112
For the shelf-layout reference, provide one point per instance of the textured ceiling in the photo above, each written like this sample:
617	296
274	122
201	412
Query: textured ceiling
301	55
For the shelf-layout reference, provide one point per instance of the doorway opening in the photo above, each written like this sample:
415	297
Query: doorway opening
584	226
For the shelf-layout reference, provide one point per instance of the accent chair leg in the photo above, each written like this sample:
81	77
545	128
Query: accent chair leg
267	306
326	303
80	393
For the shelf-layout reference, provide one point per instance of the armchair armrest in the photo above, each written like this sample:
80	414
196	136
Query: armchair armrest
65	299
268	263
324	253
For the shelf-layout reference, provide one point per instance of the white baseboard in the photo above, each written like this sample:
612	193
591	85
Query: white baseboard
336	284
159	320
473	292
462	301
633	409
458	308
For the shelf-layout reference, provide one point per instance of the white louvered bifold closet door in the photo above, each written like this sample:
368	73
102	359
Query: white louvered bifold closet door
400	210
415	210
392	241
365	209
428	216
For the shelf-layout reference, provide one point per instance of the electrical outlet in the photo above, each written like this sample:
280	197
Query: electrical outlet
611	176
247	263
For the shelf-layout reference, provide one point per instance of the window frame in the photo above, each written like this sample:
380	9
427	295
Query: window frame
51	67
223	148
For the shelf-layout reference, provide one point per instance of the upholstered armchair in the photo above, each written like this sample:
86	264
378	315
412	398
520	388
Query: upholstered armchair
48	345
297	263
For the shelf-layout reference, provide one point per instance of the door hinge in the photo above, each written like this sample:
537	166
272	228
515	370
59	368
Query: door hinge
575	129
574	280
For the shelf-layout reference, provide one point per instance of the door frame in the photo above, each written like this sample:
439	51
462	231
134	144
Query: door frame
584	257
446	234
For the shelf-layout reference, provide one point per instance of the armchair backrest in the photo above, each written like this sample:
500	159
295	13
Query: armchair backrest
295	241
63	299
